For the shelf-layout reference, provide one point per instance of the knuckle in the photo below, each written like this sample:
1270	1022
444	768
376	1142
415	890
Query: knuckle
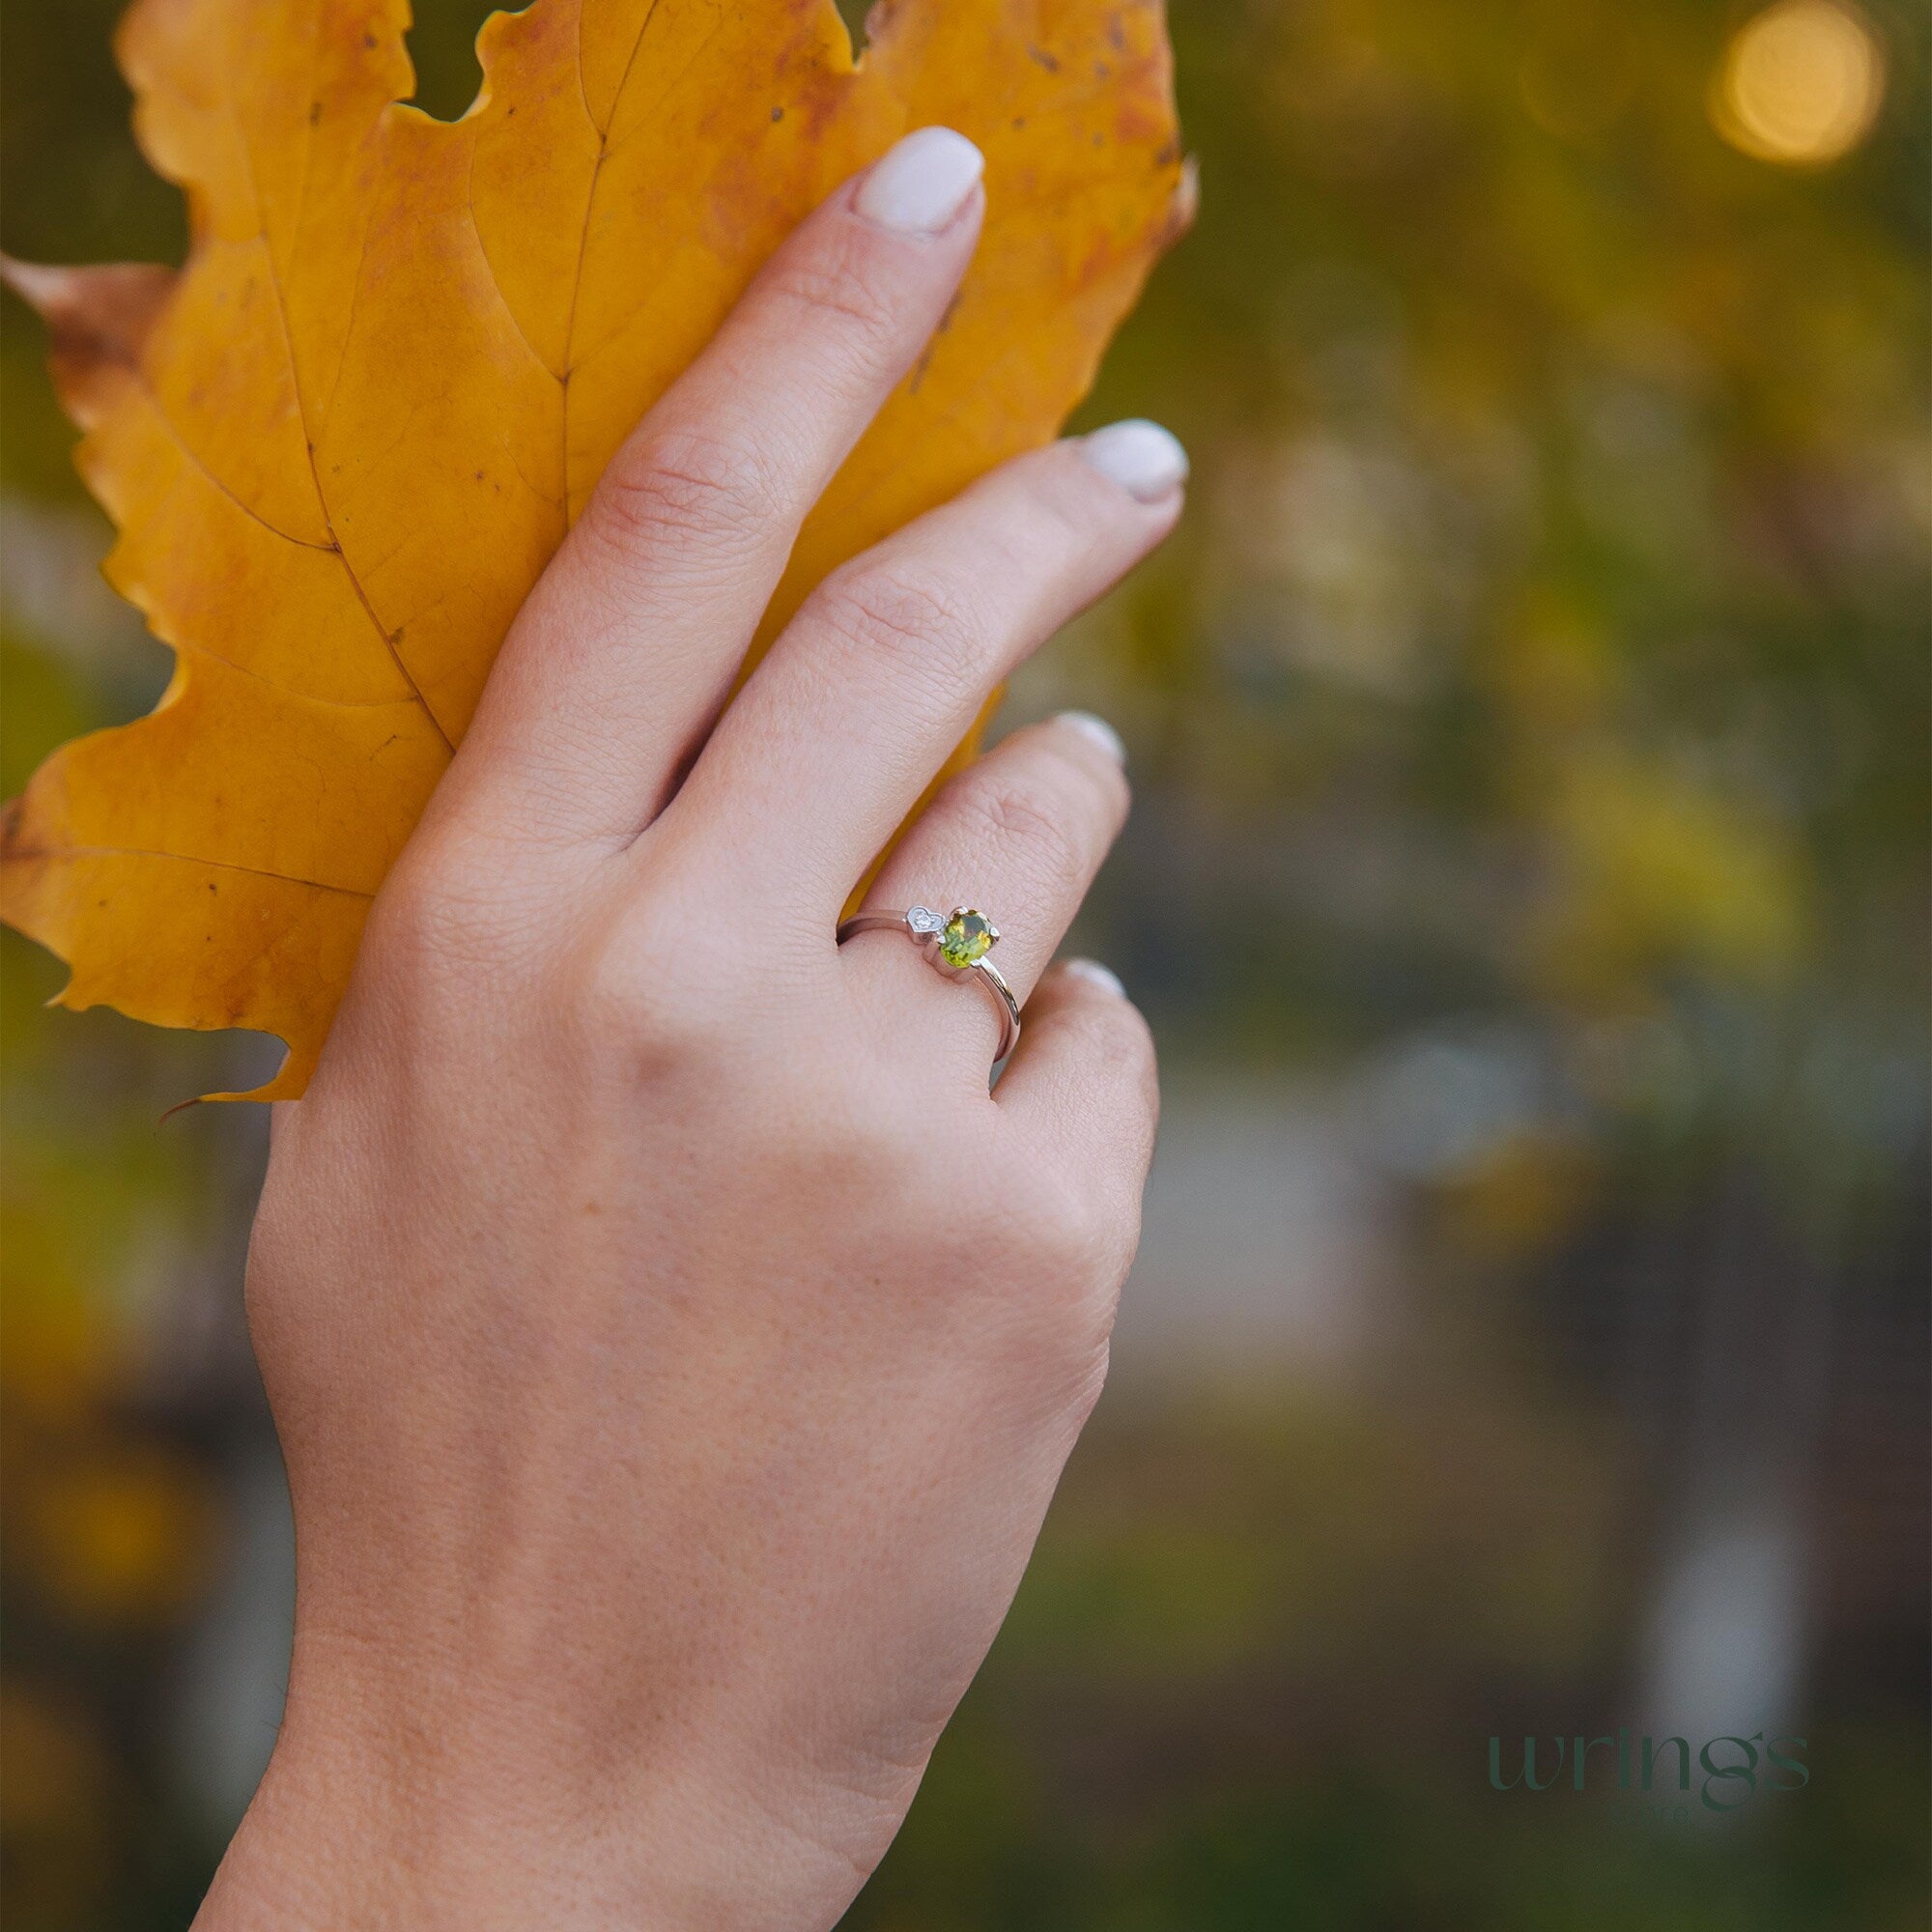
1087	1391
1059	1222
1100	777
1075	1234
1025	817
718	489
631	991
623	1019
843	284
1070	1247
1064	519
924	627
1082	509
443	910
1123	1050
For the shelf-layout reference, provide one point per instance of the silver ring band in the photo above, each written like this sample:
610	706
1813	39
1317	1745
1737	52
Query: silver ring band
957	943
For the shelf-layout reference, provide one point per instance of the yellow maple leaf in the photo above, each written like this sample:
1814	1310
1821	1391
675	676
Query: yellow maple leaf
341	445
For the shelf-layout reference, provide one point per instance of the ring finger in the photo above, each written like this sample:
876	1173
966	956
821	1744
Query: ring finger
1019	836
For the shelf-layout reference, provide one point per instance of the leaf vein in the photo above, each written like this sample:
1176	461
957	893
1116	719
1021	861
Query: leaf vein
179	438
559	375
301	404
290	691
191	859
583	237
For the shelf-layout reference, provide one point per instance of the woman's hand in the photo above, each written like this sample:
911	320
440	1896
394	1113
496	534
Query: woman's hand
675	1344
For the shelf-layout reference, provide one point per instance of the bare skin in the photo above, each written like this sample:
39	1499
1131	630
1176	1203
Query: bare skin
674	1346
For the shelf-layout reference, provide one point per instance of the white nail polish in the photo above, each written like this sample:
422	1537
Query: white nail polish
1096	975
1098	730
1143	459
919	186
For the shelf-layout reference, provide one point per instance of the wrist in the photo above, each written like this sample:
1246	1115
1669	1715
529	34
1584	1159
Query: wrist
380	1815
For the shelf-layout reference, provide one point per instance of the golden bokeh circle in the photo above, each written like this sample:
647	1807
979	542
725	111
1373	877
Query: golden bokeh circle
1801	83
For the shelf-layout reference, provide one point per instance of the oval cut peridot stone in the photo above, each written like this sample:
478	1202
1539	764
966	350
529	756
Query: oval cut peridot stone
968	936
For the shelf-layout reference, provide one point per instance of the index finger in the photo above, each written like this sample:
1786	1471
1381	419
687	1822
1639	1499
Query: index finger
626	649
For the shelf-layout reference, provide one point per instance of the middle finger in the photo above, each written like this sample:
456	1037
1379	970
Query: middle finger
838	732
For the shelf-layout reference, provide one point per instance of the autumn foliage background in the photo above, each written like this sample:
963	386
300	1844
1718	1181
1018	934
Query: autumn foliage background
1528	884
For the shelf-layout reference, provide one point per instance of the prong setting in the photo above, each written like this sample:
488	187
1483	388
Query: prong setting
956	944
966	938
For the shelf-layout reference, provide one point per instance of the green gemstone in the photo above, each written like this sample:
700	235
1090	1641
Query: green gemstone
968	936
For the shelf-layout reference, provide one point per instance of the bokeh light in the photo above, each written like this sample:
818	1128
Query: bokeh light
1802	83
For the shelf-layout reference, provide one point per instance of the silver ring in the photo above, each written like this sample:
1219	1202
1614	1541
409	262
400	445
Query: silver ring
957	942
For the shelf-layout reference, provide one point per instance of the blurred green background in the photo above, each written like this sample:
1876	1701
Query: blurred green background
1528	884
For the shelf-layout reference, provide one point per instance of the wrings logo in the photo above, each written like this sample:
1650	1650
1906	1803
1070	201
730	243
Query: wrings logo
1733	1768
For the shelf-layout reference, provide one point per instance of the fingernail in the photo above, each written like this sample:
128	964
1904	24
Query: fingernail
1145	459
918	186
1098	730
1096	975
